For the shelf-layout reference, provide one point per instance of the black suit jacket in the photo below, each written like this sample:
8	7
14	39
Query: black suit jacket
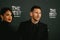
26	31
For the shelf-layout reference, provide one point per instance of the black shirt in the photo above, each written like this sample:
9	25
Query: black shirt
5	27
30	31
6	32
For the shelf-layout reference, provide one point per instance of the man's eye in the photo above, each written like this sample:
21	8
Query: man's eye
7	14
36	12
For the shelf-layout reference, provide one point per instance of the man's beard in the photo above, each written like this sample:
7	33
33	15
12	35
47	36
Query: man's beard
35	19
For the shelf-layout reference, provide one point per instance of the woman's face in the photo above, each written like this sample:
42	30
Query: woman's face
7	16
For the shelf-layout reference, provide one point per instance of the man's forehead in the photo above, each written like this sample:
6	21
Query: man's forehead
37	10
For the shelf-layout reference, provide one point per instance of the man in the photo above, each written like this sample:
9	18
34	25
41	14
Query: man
33	29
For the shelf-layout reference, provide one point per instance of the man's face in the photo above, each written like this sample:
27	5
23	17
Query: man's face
36	14
7	16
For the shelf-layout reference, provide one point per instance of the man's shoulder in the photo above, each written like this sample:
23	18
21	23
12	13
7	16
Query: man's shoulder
25	22
43	24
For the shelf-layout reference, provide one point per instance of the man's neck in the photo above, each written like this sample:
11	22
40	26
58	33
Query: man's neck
34	22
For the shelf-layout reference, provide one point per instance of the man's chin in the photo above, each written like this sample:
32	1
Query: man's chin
9	21
37	19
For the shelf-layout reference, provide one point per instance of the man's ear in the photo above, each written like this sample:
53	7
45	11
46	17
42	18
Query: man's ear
30	13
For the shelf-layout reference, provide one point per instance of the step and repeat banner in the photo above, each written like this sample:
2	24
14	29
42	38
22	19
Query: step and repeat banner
50	14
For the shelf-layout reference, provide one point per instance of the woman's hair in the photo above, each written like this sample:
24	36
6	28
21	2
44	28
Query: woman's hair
5	9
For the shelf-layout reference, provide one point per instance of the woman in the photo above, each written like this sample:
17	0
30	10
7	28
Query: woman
6	19
5	25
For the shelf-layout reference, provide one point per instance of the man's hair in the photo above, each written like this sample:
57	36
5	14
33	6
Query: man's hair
5	9
35	7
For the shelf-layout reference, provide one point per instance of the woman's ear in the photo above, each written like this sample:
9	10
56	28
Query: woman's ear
1	17
30	13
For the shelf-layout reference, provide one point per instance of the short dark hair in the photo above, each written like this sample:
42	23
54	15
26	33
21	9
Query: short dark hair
35	7
3	10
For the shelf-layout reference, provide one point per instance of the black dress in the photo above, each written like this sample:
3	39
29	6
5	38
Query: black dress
6	32
30	31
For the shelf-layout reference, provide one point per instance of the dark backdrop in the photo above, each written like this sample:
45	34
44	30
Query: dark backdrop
25	6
